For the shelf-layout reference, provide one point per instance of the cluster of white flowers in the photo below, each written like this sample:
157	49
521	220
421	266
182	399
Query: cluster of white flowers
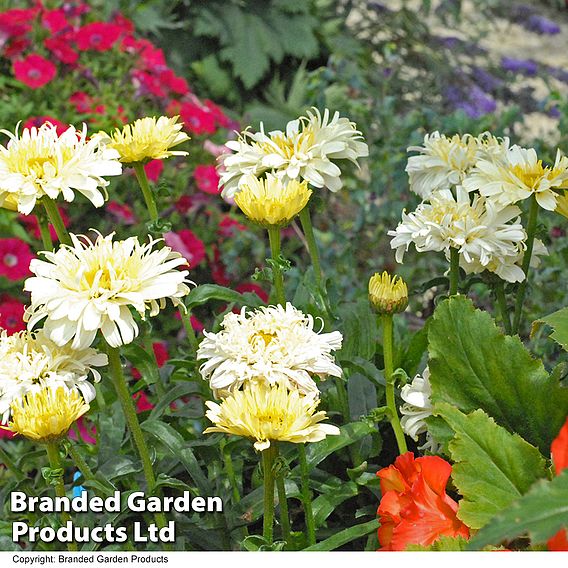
306	150
469	186
273	344
30	362
40	162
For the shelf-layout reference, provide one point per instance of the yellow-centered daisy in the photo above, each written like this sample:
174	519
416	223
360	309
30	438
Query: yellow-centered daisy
388	294
270	203
47	415
147	139
268	413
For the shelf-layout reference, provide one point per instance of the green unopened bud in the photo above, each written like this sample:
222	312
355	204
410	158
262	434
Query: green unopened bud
388	294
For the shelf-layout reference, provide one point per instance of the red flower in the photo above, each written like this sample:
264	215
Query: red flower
15	257
559	451
81	101
207	179
188	245
122	21
229	226
220	117
184	204
122	212
54	20
154	169
99	36
250	287
60	48
142	401
148	83
415	508
197	119
218	270
86	431
37	121
12	315
34	71
16	22
175	84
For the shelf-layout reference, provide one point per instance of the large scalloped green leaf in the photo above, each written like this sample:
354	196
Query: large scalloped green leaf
540	514
492	467
473	365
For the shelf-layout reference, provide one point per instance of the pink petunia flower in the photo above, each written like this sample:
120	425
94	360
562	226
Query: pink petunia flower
188	245
207	179
12	315
98	36
15	257
34	71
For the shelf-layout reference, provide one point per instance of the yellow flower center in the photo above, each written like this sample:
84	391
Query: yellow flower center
266	337
533	174
289	146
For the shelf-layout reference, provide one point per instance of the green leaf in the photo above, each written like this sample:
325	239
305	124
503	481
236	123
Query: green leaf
143	361
179	390
345	536
558	321
492	467
473	365
174	441
323	505
359	330
350	433
443	544
541	513
207	292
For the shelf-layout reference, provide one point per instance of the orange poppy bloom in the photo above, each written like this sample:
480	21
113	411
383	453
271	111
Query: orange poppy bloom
559	450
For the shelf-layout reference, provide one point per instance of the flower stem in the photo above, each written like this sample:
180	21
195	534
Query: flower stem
81	464
389	378
55	463
132	420
308	229
283	504
454	270
189	331
230	471
503	308
307	496
268	472
43	224
274	238
56	220
146	190
531	229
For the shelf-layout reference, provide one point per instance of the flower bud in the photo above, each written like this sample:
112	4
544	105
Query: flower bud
388	294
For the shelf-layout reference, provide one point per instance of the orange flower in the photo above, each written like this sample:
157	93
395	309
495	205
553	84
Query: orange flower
415	508
559	450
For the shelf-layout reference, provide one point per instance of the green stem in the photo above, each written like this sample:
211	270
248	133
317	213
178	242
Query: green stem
283	504
55	463
146	190
149	348
531	230
132	420
43	225
454	270
308	229
274	238
307	496
389	378
189	331
56	220
81	464
268	472
503	308
230	471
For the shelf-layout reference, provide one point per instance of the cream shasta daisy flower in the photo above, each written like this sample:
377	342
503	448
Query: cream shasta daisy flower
91	286
305	151
46	415
416	408
147	139
516	175
267	413
40	162
480	230
30	361
444	162
273	344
